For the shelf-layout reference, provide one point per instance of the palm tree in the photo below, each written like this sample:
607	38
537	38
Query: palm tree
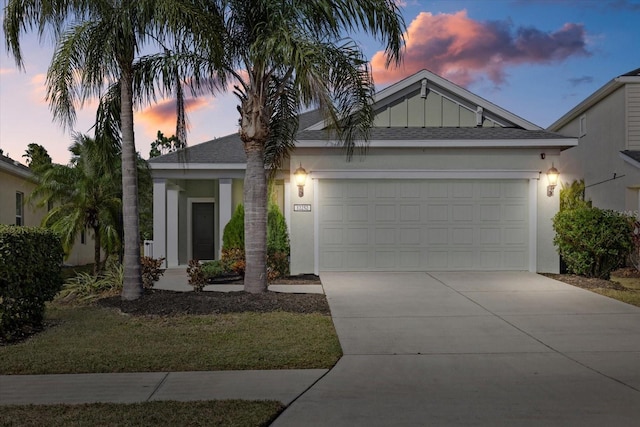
97	45
287	55
85	195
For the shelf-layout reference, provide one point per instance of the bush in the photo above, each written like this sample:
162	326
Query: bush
593	242
151	270
572	196
234	259
86	287
233	234
196	276
30	262
278	248
215	268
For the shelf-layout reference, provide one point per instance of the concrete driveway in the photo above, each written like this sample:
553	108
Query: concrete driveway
474	349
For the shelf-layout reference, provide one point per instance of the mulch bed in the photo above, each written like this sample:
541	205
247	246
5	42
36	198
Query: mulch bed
586	282
156	302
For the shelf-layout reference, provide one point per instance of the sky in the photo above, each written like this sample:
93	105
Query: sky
534	58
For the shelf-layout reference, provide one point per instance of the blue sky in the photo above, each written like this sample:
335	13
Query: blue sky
535	58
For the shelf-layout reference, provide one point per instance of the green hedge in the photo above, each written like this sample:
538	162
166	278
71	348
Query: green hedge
30	264
278	247
593	242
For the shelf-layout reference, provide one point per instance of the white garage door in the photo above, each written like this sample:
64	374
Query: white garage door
421	225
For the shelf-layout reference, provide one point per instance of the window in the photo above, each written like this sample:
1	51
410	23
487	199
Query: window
19	208
83	237
583	125
49	205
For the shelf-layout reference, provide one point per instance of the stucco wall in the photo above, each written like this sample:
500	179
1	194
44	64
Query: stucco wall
596	159
302	223
81	253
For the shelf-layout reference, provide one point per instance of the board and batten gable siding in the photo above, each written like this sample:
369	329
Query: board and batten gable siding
633	116
434	110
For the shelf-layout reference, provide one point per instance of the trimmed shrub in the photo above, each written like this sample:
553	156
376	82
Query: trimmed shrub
215	268
593	242
30	262
233	234
151	270
572	196
278	248
196	276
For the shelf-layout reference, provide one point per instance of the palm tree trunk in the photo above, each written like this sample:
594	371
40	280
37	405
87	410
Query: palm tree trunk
97	266
255	219
132	286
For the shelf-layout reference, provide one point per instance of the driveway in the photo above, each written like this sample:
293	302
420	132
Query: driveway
483	349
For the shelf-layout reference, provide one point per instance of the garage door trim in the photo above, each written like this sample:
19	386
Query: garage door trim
532	176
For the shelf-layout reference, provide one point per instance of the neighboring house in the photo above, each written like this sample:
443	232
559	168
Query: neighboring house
607	157
16	185
450	181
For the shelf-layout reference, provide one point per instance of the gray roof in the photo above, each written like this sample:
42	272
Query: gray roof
633	73
632	154
441	133
229	149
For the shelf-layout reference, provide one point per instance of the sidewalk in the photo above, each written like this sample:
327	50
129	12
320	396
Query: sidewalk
281	385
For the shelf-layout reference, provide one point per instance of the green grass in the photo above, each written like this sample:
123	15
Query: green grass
631	295
228	413
92	339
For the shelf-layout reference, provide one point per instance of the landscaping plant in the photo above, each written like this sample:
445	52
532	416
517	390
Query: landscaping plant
197	278
278	248
593	242
30	262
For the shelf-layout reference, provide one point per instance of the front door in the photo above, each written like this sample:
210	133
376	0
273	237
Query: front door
202	231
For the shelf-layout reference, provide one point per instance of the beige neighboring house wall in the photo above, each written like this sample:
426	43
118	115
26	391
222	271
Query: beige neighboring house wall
17	178
607	124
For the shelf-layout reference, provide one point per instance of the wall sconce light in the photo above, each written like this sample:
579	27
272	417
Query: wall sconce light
552	176
301	178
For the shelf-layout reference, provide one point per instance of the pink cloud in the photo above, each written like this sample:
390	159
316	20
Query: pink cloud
162	116
463	50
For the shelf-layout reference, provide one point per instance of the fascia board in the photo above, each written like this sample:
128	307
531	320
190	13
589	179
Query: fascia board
449	143
587	103
629	160
449	86
423	174
198	166
17	171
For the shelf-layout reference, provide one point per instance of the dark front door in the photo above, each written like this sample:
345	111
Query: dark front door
202	231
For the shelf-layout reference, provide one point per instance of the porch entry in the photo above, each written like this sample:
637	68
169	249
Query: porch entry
203	234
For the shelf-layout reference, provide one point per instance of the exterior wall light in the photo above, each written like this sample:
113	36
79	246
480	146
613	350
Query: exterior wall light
552	177
301	178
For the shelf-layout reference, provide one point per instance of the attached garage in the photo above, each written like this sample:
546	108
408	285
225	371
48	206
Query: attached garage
418	225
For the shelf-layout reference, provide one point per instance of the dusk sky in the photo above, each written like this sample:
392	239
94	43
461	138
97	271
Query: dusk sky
535	58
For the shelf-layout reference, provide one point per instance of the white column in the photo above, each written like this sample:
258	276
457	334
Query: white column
172	227
287	205
533	224
225	207
160	219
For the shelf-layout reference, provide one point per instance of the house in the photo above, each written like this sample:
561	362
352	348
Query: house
607	125
450	181
16	185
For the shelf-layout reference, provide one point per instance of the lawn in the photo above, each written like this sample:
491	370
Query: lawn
624	284
227	413
94	339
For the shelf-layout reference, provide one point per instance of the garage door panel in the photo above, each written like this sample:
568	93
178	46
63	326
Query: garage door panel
357	213
331	213
409	213
423	225
357	190
385	213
